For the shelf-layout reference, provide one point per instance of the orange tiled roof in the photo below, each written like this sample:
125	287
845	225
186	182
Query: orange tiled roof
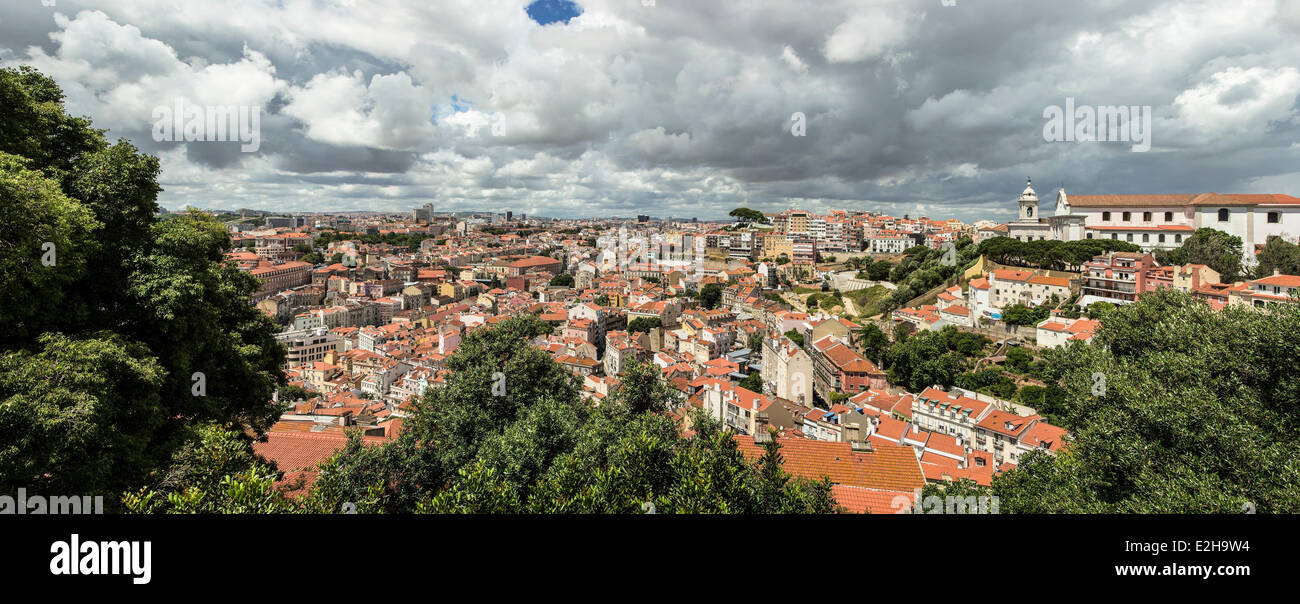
886	467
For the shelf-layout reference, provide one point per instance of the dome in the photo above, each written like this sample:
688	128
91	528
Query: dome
1028	194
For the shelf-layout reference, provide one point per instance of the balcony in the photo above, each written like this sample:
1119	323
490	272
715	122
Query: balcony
1110	287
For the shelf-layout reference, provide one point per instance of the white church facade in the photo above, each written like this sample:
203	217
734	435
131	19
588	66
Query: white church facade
1159	221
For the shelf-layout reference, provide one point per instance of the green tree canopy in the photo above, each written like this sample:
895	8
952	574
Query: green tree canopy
1194	411
1213	248
131	310
710	295
644	324
748	215
1278	255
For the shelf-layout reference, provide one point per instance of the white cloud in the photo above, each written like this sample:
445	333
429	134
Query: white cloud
1238	102
865	35
682	108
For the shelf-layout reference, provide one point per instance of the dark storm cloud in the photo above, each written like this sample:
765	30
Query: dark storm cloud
684	108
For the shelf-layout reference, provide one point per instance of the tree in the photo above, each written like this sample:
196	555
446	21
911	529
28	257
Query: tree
1019	314
755	341
748	215
1195	413
642	390
562	280
34	211
289	392
1278	255
643	324
602	300
131	340
923	360
752	382
1045	254
873	342
1099	310
1018	359
710	295
1213	248
902	331
795	337
879	270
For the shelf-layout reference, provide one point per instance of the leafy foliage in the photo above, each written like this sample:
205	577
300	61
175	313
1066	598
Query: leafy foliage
1199	414
1213	248
95	376
1050	254
1278	255
644	324
710	295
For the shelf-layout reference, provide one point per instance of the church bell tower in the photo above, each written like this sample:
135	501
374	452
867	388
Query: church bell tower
1029	203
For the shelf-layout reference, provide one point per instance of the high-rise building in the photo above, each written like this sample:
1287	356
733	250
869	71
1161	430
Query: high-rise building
509	215
423	214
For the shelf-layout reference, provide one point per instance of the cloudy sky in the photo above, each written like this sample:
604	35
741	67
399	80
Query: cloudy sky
680	107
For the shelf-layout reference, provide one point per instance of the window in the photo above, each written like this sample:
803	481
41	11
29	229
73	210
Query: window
1128	216
1114	236
1146	216
1169	216
1105	216
1274	217
1223	215
1162	238
1146	237
1178	238
1089	235
1129	237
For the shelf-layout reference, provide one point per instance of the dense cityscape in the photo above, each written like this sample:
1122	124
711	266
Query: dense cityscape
772	322
583	286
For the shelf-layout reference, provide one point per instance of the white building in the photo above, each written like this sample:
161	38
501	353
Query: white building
1157	221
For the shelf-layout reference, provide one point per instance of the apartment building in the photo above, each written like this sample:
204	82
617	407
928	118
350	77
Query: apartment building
890	242
1025	287
279	277
787	370
803	249
1008	437
837	367
1278	288
308	345
947	413
1187	278
736	407
776	246
1117	277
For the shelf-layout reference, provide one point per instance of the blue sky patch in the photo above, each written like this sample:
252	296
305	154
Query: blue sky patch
545	12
